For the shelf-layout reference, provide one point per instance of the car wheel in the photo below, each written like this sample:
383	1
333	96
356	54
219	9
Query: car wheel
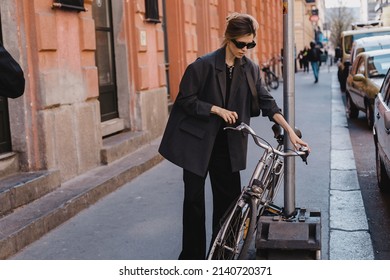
352	110
381	174
370	115
342	77
343	82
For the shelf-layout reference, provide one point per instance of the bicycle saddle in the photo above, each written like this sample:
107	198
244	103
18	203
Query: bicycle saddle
278	132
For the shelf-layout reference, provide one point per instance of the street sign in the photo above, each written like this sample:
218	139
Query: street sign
314	18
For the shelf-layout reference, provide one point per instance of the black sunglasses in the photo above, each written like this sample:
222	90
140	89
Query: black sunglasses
242	45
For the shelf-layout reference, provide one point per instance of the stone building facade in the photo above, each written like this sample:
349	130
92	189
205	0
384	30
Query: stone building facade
100	79
58	123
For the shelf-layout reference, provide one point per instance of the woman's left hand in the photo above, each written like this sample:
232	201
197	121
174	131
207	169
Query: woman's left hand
297	142
294	139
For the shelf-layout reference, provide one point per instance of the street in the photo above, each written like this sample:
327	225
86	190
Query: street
377	203
142	220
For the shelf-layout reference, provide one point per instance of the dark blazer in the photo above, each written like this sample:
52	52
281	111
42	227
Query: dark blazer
314	54
191	130
11	75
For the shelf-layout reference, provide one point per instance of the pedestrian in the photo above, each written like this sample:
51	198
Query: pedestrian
300	59
314	56
214	92
281	58
304	60
11	75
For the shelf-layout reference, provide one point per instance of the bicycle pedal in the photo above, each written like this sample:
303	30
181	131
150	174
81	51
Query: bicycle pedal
273	209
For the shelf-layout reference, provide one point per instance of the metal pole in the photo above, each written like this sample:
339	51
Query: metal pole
289	102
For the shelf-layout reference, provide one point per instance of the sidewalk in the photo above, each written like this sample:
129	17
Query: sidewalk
349	232
141	220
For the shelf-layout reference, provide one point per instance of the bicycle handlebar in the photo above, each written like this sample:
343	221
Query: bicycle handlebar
303	152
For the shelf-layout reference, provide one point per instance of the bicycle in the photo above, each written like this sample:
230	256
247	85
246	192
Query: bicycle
271	81
239	224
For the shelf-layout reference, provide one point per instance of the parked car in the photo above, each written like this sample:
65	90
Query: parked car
364	81
366	44
347	39
381	133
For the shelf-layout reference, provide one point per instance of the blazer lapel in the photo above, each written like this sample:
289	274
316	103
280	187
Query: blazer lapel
221	73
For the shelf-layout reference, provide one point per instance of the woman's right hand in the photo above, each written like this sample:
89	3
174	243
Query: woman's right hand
229	117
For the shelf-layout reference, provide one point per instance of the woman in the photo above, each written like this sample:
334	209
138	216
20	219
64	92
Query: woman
213	93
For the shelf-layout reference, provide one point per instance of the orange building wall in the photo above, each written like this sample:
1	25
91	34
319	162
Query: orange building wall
57	122
196	28
60	104
142	80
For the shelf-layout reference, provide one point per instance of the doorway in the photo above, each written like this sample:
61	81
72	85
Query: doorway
5	132
105	59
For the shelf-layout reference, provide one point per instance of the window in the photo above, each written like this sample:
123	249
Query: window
348	40
151	11
380	65
361	67
386	90
77	5
355	67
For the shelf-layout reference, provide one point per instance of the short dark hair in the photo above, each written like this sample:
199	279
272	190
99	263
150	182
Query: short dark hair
238	25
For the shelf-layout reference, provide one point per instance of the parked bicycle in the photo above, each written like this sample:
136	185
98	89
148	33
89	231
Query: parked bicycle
271	81
239	224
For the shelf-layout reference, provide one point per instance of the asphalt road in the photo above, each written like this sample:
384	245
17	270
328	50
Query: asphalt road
377	203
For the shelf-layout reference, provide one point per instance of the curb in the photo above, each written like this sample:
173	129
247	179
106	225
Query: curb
348	229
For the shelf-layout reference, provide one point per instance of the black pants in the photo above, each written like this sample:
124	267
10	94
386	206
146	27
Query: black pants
226	187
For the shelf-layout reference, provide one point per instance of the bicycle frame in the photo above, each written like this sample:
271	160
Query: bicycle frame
262	184
234	248
266	178
240	222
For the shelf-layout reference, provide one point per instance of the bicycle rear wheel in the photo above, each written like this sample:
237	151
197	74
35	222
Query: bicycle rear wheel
267	82
236	234
273	81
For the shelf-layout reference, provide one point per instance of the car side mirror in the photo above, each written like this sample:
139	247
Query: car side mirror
359	78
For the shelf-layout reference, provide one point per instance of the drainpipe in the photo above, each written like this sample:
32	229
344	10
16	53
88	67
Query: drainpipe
166	55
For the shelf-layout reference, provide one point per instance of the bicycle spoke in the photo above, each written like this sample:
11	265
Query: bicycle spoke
234	234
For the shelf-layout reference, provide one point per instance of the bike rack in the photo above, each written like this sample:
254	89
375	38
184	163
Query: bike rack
296	237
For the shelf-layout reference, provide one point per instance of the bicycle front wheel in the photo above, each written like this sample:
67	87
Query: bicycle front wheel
273	81
236	234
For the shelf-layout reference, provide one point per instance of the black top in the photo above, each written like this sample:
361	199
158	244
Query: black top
229	77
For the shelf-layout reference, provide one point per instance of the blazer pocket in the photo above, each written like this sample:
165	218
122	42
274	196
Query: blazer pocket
192	129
